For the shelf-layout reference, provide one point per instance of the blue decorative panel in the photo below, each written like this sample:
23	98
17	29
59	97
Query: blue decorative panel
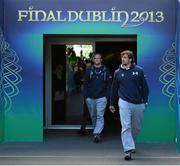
178	74
153	23
1	71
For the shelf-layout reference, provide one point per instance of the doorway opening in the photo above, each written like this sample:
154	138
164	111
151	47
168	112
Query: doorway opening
65	58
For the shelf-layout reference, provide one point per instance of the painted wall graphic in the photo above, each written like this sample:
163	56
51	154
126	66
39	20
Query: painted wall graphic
178	74
168	76
11	76
1	73
153	23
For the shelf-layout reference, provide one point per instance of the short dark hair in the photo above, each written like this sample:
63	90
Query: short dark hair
94	54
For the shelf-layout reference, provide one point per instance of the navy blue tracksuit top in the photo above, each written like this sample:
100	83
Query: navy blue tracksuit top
129	85
97	82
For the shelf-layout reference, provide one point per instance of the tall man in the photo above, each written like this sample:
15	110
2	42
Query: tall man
130	88
97	86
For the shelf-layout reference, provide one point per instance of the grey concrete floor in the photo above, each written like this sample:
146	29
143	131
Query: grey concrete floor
66	147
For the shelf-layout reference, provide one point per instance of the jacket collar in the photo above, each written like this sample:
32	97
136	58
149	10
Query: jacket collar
132	66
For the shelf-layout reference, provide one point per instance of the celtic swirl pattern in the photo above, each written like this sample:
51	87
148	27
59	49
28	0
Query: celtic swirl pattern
1	75
10	76
168	69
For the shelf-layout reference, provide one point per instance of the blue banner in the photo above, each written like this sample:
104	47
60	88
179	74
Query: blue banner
29	20
178	73
1	70
1	13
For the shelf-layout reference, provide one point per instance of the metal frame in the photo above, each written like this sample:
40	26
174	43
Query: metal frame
49	40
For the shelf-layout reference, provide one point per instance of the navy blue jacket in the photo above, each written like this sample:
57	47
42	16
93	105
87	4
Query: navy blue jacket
97	82
129	85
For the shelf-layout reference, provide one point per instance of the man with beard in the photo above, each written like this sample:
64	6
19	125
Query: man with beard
130	88
97	86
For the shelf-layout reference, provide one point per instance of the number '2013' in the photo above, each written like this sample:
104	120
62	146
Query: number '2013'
147	16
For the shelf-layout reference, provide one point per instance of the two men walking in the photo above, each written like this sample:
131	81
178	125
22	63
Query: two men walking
129	88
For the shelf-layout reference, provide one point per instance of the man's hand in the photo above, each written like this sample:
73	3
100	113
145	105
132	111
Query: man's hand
112	108
146	104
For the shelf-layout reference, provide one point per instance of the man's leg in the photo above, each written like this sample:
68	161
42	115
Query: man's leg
137	117
82	131
85	117
126	133
91	105
100	107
